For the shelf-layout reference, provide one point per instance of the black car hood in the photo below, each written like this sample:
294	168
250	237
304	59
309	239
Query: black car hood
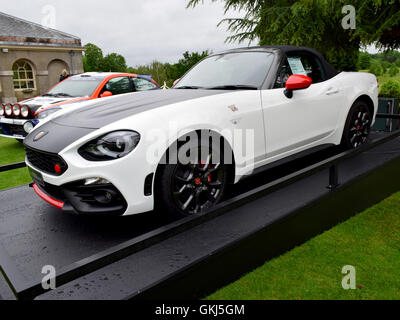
103	112
60	132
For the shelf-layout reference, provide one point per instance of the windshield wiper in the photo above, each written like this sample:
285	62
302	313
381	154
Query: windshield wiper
63	95
48	95
233	87
189	87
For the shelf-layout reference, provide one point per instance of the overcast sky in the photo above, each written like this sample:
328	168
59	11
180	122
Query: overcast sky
141	30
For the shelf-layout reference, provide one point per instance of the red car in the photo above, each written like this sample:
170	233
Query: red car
17	120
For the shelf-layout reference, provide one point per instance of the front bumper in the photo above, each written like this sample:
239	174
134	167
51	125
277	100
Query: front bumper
14	128
131	178
81	199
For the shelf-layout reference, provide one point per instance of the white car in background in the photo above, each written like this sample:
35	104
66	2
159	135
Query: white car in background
100	159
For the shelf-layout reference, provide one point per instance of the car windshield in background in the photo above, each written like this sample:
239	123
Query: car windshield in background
75	88
240	70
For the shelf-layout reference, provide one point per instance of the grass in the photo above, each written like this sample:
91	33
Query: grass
369	241
12	151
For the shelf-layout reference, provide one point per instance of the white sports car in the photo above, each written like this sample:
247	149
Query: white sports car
232	114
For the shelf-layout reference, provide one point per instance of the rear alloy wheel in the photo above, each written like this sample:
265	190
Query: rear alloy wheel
358	126
193	188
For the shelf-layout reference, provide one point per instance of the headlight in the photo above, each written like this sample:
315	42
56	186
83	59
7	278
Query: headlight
1	110
25	111
8	110
28	126
114	145
46	113
16	110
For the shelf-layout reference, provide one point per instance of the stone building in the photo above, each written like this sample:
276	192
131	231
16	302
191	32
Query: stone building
32	58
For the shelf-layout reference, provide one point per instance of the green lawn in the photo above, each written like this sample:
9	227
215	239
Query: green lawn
369	241
12	151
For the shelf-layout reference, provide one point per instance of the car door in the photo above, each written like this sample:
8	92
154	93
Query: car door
118	85
309	117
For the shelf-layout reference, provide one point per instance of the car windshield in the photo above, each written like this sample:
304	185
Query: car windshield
73	87
238	70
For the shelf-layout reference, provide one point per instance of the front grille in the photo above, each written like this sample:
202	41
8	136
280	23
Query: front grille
30	117
14	129
46	162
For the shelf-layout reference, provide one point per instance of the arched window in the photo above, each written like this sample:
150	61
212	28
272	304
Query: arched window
23	75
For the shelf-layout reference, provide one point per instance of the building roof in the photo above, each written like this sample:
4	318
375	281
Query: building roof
16	31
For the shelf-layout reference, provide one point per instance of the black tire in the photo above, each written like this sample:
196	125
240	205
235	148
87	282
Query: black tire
357	127
20	140
191	189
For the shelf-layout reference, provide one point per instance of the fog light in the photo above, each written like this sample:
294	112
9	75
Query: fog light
92	181
28	126
104	196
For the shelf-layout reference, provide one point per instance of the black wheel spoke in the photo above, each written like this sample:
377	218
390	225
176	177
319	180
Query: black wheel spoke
182	190
188	201
213	169
184	180
206	163
212	194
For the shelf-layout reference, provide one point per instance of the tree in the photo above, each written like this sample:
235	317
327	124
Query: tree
393	70
390	56
385	66
317	24
364	61
92	58
390	89
166	72
376	68
114	62
186	63
159	71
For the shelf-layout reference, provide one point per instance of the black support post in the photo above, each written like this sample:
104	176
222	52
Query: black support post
333	177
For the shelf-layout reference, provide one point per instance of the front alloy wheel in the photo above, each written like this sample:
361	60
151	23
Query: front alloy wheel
191	188
197	187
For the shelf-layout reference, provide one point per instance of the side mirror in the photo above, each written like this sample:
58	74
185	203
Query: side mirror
106	94
175	82
296	82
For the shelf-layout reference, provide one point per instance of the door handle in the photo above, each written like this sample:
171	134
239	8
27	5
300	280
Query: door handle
331	91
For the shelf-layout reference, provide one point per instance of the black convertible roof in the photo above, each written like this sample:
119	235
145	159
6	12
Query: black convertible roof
329	69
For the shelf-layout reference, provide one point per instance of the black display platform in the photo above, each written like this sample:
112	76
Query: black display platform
198	256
